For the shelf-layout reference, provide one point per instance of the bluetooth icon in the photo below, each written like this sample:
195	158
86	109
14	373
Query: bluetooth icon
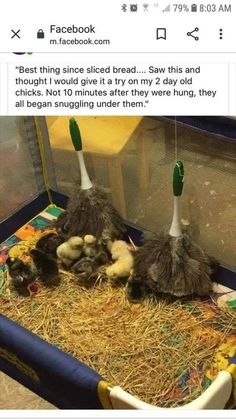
124	8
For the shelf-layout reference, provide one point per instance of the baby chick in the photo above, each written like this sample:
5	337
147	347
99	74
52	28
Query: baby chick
22	275
123	260
84	266
46	266
49	244
86	270
90	246
94	249
136	290
70	251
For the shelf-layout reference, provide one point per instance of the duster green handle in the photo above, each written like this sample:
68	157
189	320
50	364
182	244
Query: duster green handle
178	178
75	134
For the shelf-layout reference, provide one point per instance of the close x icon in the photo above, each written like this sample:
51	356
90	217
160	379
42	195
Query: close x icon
15	33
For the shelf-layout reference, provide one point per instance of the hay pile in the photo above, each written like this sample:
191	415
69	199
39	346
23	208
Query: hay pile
146	348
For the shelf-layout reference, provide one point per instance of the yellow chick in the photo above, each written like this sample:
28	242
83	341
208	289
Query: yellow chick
90	247
123	260
70	251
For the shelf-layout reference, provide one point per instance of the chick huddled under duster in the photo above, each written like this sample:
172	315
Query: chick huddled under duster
95	256
70	251
89	210
49	243
171	263
123	260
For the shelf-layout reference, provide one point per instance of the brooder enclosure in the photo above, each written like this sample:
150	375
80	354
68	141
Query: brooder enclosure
87	336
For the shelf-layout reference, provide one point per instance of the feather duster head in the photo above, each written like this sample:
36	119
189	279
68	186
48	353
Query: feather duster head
173	265
90	212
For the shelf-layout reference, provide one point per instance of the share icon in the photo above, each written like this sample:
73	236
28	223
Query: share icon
193	36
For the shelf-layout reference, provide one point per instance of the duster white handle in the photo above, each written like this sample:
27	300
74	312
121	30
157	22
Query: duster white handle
175	229
77	142
85	181
178	182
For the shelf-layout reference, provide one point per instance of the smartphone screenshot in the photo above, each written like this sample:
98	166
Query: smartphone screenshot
118	209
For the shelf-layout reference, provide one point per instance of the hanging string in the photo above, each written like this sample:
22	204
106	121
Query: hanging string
43	159
176	141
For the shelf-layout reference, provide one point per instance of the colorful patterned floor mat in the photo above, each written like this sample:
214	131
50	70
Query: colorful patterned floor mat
18	244
29	233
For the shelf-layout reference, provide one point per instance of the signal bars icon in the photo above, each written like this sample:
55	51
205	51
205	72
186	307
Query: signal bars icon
167	8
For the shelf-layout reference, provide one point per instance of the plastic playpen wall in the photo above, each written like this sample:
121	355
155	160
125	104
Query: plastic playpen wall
32	161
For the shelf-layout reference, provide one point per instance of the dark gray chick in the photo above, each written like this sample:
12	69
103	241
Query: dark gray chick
49	244
46	266
22	275
136	290
86	269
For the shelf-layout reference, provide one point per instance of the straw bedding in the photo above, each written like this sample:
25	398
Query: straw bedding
147	349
